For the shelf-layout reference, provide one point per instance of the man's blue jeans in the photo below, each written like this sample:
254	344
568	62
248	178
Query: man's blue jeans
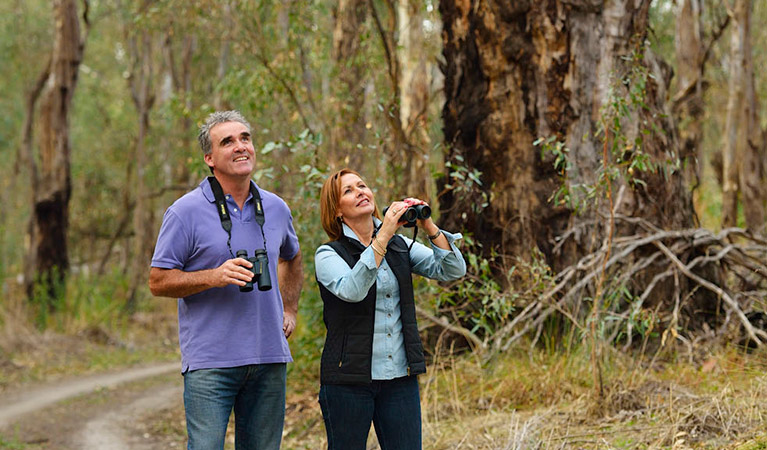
393	406
255	392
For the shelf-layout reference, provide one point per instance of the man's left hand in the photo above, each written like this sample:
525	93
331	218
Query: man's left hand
288	323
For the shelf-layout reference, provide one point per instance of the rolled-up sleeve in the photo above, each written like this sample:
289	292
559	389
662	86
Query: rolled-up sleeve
438	263
349	284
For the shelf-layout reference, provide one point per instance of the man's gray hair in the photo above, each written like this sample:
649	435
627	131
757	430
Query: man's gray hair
214	119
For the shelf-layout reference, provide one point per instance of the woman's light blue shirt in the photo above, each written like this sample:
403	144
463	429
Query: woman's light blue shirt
352	285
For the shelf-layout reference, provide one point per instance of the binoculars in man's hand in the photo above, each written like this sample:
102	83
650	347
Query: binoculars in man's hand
260	270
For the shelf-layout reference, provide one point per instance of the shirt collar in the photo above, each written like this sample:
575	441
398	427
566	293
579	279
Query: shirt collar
350	234
208	192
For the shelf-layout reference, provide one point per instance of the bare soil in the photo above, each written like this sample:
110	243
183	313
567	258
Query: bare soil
97	412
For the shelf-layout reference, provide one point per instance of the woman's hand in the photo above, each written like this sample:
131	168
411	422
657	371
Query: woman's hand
426	224
392	221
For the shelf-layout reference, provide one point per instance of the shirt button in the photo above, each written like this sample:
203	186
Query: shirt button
388	315
390	357
384	269
388	335
388	295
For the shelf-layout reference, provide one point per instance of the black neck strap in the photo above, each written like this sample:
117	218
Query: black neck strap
415	233
223	211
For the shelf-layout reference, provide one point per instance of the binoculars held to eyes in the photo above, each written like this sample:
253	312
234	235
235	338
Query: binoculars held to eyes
260	270
413	214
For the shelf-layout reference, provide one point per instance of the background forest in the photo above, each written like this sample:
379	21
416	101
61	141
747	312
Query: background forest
605	162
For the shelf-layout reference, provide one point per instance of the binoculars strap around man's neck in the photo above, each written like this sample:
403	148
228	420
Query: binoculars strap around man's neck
223	211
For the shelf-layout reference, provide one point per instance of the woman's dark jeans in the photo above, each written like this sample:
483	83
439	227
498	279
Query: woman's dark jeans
394	407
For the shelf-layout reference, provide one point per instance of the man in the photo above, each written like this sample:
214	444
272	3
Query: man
234	346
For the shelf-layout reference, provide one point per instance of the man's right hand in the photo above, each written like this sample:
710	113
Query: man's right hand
233	271
176	283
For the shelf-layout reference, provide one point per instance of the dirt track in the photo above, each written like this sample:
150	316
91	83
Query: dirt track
108	432
89	412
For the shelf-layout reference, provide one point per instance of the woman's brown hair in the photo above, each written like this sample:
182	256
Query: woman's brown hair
329	197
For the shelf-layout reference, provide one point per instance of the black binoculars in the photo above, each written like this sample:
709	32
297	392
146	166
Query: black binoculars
260	270
412	214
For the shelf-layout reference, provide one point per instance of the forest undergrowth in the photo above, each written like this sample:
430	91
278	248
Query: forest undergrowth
76	343
544	400
540	397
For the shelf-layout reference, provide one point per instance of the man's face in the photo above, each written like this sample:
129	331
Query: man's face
232	152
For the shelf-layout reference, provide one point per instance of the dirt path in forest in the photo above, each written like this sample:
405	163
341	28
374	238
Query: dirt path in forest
90	412
16	405
110	431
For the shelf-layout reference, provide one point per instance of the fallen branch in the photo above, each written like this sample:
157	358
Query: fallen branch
732	250
471	337
752	332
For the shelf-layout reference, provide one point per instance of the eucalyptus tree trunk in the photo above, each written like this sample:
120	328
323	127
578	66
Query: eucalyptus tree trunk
283	22
688	100
734	136
577	73
414	87
752	175
348	129
517	71
401	37
51	183
743	147
141	81
180	76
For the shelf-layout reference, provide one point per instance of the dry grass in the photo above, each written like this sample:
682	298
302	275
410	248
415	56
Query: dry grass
28	355
716	399
541	403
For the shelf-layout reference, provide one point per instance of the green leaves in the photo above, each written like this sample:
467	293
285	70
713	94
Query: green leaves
622	127
268	147
466	182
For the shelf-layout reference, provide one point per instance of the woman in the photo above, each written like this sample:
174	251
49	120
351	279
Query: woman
373	352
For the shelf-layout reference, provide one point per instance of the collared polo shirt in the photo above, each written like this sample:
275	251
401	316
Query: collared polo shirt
223	327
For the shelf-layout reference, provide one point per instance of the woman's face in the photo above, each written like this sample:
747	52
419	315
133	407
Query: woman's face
355	199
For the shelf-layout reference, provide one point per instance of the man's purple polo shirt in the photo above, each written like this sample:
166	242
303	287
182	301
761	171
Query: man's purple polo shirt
223	327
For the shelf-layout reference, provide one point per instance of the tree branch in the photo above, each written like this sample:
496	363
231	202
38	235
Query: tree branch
752	332
471	337
624	267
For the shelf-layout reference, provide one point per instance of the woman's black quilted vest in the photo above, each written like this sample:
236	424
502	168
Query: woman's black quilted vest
346	357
